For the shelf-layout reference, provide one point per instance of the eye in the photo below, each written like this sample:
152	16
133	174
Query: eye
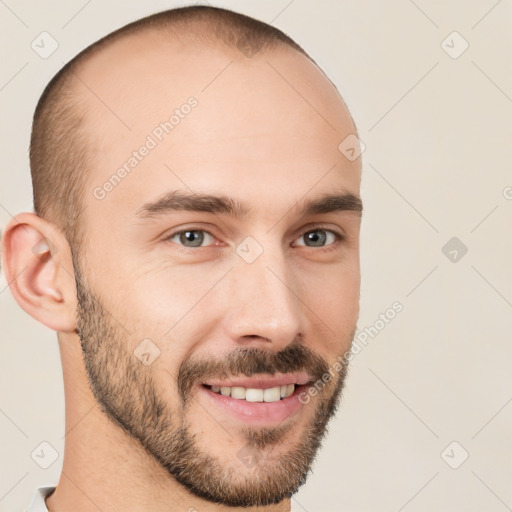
318	238
192	238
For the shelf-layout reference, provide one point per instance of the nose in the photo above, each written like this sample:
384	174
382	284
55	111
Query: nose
264	303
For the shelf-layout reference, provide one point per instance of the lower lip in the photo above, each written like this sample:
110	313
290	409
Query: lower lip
256	412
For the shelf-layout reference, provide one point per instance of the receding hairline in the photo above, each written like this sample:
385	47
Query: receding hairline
189	17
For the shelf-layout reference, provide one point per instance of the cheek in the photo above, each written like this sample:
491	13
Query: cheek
158	294
334	297
171	306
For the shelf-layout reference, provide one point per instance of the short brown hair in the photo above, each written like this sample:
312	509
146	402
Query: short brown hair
60	152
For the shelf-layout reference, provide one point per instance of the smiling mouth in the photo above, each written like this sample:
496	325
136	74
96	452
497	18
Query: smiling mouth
273	394
258	400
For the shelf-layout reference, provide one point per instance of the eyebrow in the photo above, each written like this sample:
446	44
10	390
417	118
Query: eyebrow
189	201
332	203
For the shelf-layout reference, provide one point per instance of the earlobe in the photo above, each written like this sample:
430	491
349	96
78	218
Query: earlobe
36	259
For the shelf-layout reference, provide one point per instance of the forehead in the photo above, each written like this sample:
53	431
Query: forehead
169	114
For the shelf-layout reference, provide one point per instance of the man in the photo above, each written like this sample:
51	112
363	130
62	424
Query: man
195	244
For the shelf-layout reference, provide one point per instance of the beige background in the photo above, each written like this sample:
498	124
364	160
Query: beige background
437	165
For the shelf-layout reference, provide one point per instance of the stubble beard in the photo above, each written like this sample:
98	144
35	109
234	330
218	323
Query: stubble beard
126	392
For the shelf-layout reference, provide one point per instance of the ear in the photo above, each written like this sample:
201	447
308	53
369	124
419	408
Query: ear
36	259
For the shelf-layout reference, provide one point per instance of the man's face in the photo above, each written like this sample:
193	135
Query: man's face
179	298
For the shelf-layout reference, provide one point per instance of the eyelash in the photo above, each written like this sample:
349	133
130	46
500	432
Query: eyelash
338	238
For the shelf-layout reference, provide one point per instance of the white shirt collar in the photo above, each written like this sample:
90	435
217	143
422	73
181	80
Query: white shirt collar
38	504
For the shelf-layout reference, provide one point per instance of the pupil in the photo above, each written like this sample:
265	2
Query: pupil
317	238
192	238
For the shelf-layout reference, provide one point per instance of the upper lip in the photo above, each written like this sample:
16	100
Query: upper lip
262	381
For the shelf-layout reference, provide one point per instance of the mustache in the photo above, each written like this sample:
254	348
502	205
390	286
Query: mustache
248	362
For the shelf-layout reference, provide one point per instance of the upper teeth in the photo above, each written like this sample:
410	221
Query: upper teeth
256	395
